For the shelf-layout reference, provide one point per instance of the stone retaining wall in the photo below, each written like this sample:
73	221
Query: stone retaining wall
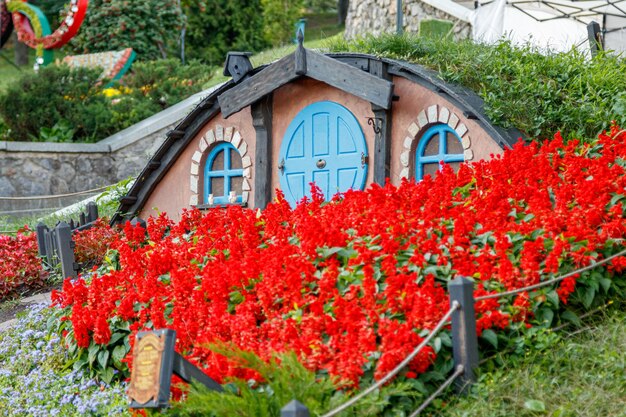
34	169
379	16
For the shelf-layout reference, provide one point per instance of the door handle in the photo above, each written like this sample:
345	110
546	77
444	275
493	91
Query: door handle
281	166
320	163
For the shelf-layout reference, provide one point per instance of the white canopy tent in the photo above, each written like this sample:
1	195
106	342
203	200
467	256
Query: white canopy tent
555	24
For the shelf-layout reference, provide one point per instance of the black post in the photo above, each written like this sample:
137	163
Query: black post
92	212
65	249
138	221
464	339
294	409
399	17
595	38
42	229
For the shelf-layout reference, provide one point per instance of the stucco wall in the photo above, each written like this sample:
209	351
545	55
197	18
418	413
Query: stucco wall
408	126
379	16
417	109
176	188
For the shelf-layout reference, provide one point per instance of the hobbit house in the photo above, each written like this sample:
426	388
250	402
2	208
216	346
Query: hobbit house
342	121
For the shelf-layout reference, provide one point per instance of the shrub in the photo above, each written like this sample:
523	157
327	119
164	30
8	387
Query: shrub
279	17
351	285
215	27
69	105
54	95
20	266
537	93
150	27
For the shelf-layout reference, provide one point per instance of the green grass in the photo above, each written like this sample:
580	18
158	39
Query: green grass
539	94
320	32
582	375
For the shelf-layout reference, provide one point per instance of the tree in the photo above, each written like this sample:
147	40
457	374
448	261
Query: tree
215	27
150	27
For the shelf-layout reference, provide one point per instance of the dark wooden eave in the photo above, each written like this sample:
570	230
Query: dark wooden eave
304	62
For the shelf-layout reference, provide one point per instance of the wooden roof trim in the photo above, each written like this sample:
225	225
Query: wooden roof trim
304	62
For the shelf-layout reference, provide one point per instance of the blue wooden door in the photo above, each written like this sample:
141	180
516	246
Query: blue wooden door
323	144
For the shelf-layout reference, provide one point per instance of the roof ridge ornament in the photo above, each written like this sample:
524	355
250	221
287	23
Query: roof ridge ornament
237	65
300	55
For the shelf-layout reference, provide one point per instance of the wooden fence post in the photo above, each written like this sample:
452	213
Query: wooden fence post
92	212
65	249
294	409
464	339
42	229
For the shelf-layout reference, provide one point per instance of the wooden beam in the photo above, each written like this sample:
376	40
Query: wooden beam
346	78
382	122
262	122
258	86
314	65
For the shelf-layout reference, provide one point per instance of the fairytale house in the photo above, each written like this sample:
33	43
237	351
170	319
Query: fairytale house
340	120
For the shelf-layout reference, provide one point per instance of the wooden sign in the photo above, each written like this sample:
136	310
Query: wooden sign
154	362
152	369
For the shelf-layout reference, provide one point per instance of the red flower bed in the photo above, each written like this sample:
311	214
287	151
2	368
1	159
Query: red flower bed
20	266
349	285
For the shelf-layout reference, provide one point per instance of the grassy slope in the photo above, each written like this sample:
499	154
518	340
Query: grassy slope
582	375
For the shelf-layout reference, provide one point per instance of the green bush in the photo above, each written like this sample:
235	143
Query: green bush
539	94
150	27
62	105
279	17
215	27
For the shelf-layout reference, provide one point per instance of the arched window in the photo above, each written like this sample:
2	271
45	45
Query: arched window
439	143
223	175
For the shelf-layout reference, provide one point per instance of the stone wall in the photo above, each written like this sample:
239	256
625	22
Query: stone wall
379	16
38	177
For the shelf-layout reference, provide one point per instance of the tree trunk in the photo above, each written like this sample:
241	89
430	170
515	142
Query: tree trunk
342	11
20	51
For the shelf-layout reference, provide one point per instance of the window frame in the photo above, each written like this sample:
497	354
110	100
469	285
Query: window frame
440	131
226	173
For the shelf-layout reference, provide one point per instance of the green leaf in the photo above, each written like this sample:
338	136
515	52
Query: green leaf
92	353
107	375
491	337
553	297
437	344
547	316
535	405
115	337
118	354
589	296
605	283
570	316
445	339
103	358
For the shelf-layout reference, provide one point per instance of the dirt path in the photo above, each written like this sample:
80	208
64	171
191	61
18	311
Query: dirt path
9	311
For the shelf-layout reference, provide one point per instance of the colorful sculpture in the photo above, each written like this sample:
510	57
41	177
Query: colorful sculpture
34	30
6	23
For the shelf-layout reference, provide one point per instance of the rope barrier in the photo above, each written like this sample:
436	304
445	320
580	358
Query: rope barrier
455	375
48	197
553	280
455	306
